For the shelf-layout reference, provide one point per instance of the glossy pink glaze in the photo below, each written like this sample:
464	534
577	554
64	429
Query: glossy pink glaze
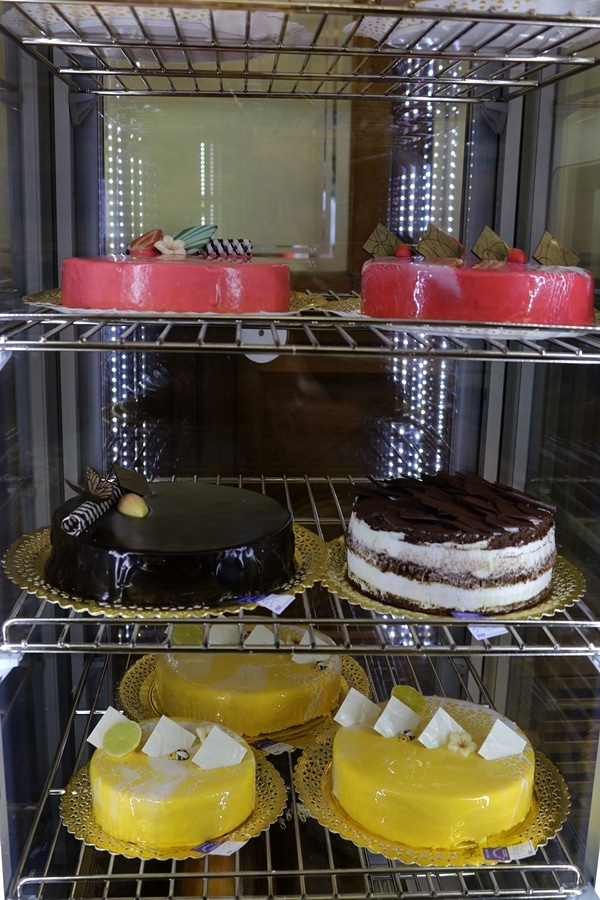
477	292
165	284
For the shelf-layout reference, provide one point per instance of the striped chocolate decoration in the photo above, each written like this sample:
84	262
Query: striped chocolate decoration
221	248
88	512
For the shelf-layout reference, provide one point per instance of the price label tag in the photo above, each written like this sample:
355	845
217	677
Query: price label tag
220	848
483	631
276	603
508	854
274	747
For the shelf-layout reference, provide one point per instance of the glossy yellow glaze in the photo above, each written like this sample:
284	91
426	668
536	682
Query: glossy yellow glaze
160	802
252	693
430	798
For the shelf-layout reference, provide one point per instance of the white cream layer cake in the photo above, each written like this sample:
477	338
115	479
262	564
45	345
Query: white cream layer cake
252	692
448	543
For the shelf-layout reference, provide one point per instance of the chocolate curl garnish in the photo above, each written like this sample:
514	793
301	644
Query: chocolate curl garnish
223	248
101	495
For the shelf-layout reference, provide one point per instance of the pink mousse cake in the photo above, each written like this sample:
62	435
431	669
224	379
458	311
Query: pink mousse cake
476	291
168	284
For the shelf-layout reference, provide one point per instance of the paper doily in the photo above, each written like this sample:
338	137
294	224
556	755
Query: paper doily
77	816
138	699
568	586
312	780
25	560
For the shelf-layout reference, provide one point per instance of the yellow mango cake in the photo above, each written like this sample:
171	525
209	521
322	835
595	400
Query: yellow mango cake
170	800
252	692
439	794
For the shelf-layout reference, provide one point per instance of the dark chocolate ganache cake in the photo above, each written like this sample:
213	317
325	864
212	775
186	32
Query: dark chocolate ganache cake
197	545
448	543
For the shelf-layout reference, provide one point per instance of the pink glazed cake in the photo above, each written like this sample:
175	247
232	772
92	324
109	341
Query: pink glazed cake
463	290
175	284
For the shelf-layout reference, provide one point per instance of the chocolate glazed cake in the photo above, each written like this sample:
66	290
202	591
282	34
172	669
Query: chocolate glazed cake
450	543
198	545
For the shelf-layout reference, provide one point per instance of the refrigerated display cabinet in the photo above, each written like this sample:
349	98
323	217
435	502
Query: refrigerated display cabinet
400	114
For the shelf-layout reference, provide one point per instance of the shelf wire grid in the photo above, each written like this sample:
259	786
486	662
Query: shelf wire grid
306	333
283	861
322	505
323	50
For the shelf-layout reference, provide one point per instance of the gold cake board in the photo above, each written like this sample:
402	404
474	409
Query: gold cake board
313	780
137	697
25	562
77	815
568	586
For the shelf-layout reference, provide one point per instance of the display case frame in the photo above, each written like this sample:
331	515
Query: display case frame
95	651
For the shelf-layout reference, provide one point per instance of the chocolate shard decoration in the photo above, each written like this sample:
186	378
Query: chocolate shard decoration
131	481
490	245
550	252
436	244
381	242
96	489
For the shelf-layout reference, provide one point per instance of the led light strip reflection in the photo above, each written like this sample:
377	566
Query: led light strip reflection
415	441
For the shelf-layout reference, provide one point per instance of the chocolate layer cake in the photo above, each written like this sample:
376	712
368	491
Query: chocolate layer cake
198	544
451	543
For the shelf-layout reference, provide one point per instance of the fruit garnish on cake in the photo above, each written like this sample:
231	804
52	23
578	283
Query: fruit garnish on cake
196	241
410	696
186	242
133	505
122	738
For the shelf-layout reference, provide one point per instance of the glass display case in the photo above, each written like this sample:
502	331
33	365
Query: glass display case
301	126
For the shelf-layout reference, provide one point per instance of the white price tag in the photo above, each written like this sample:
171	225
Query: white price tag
508	854
220	848
276	603
483	632
274	747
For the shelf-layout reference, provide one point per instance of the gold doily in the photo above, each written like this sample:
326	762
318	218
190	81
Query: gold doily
138	699
312	780
302	302
76	813
25	560
568	586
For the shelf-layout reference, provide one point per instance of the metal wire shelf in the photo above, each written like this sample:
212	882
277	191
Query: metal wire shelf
318	332
323	506
283	861
326	51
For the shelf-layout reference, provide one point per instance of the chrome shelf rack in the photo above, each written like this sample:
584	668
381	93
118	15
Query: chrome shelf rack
283	861
307	333
327	51
321	505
